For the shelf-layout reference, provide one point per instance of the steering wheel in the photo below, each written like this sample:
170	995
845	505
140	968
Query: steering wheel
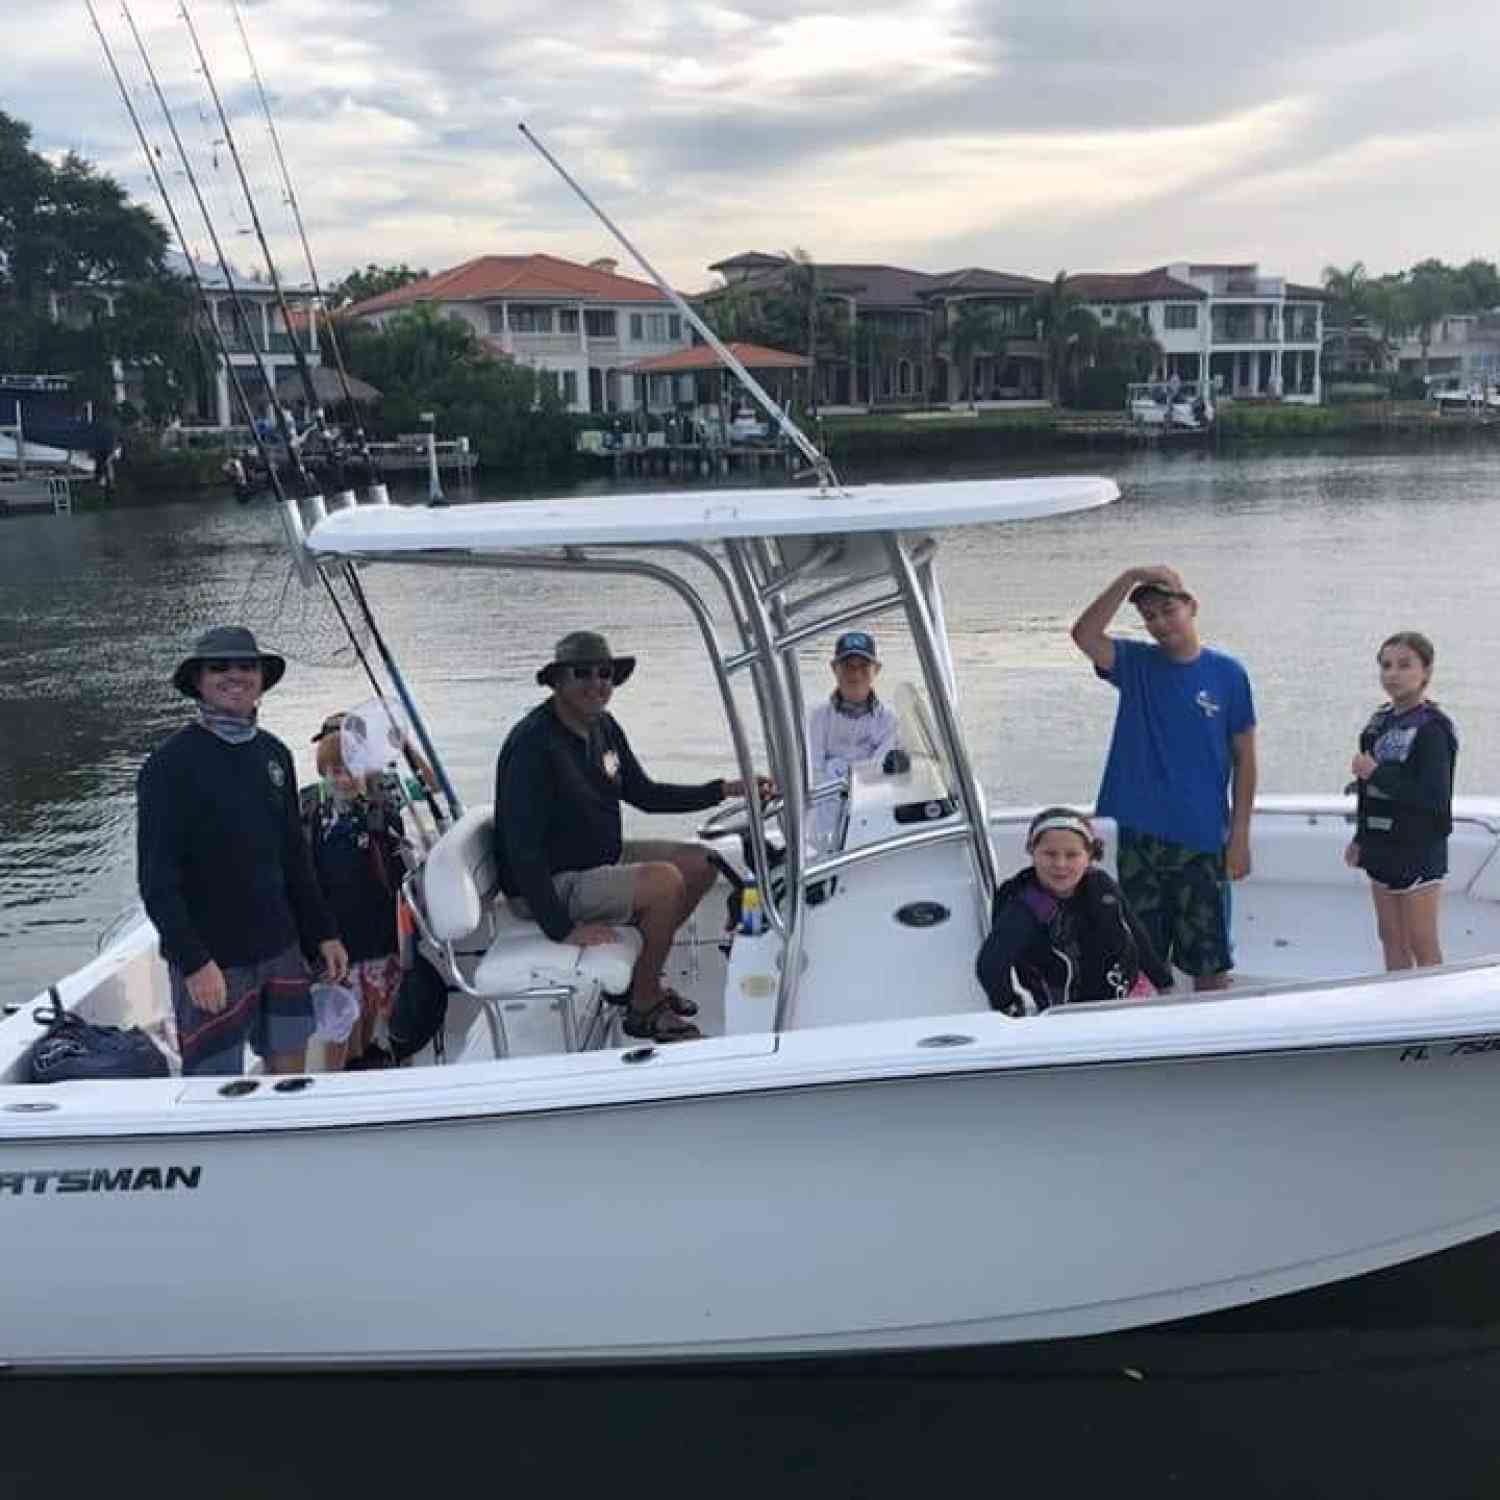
733	819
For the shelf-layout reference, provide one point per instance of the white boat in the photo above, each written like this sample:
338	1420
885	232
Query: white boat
859	1156
1467	398
42	456
1157	403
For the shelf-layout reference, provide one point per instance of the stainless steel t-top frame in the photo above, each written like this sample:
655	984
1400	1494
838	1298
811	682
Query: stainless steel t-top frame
775	603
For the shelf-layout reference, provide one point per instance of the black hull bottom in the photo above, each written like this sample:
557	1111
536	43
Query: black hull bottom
1388	1385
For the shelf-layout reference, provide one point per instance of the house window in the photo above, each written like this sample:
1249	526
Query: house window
637	329
1181	315
524	319
656	327
496	316
600	325
567	320
674	326
570	383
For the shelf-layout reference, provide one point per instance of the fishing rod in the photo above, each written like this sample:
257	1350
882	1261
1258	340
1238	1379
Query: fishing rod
287	436
299	355
361	440
239	391
171	211
821	465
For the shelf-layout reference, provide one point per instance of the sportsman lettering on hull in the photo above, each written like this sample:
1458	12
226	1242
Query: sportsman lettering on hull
99	1180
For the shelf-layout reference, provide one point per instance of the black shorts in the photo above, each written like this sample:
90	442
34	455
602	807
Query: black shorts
1401	868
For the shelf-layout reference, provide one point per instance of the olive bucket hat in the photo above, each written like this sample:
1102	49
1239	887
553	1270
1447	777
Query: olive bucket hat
581	648
227	643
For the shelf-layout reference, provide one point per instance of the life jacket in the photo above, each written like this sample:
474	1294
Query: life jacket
1085	949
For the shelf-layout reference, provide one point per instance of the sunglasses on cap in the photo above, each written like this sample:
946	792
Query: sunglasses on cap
583	671
243	663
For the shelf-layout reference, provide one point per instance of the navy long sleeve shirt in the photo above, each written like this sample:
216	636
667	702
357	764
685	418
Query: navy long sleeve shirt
557	806
220	856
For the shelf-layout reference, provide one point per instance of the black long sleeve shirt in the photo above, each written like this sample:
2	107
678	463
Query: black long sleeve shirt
222	864
1408	800
557	806
1092	948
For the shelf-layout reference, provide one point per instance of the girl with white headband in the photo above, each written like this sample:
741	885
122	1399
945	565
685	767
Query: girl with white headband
1061	931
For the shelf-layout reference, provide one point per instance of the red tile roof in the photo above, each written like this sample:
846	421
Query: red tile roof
752	356
543	277
1140	286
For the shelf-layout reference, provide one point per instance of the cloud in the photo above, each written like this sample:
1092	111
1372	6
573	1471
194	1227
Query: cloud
951	132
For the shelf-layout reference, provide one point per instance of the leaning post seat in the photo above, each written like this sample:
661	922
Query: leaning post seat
460	902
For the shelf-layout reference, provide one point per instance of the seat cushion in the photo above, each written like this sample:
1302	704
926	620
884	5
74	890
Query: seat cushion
523	956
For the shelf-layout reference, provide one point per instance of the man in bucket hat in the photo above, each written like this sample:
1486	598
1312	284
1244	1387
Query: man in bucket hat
224	870
562	774
1184	736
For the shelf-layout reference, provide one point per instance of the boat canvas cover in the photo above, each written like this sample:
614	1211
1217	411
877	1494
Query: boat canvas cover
700	516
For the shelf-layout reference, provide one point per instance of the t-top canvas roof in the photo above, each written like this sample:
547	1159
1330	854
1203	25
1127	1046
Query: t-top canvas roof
700	516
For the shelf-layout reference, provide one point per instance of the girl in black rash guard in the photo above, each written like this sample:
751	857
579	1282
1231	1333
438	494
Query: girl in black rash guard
1061	930
1404	782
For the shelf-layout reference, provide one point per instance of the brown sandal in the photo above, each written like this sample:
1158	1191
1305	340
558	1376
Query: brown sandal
659	1024
681	1005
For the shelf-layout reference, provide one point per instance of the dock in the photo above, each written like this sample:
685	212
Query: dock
49	492
701	459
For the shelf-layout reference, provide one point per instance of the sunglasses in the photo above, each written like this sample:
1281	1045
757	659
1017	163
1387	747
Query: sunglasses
239	664
584	671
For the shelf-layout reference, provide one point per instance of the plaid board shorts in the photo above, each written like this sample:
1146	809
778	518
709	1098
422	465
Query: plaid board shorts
1181	897
269	1007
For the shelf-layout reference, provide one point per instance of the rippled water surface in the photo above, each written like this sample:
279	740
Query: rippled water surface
1303	563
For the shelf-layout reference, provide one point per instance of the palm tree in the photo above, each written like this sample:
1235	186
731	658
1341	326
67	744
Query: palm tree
1349	288
974	330
1128	345
1429	294
1067	331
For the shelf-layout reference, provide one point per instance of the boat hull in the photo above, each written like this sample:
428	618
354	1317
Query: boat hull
1028	1212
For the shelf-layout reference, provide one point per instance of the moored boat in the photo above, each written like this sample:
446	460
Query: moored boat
860	1156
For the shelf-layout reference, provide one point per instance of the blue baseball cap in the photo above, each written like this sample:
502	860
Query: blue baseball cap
855	643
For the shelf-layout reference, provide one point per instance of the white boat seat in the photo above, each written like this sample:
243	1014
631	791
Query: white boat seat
522	956
460	891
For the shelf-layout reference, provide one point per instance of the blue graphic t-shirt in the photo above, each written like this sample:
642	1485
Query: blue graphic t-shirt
1172	753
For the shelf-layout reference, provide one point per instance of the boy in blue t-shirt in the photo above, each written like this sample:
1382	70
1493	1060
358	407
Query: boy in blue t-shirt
1184	736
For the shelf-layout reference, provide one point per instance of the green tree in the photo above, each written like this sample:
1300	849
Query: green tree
373	281
1430	292
1068	332
423	361
64	226
974	329
1348	286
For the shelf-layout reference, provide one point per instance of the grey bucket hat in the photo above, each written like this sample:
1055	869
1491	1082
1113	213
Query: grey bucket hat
584	646
227	643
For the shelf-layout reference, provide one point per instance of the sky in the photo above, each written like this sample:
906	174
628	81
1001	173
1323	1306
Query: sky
1029	137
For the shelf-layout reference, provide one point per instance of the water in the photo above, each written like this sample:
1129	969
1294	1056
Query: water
1302	563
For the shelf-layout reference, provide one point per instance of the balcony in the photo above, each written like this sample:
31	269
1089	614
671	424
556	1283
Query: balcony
1236	333
277	343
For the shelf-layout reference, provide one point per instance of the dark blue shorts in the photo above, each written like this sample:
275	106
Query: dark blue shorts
1403	869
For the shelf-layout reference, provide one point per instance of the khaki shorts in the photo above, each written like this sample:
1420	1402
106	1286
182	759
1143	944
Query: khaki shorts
607	892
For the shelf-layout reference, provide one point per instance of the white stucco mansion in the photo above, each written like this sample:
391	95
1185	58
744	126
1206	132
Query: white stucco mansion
1248	334
581	326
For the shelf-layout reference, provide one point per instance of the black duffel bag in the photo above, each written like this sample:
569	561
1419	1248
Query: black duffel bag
75	1048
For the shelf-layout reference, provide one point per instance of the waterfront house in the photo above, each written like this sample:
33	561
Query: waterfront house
581	327
262	332
1461	350
1250	335
888	335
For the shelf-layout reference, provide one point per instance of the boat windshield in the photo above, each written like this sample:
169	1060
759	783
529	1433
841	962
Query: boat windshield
932	774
